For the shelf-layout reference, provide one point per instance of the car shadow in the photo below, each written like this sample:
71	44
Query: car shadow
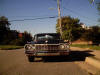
73	56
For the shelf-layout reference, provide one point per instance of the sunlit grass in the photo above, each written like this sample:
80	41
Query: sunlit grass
9	47
94	47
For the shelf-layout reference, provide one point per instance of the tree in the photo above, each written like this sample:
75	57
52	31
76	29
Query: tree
12	37
21	40
4	23
4	27
71	28
96	35
91	1
93	34
27	37
98	6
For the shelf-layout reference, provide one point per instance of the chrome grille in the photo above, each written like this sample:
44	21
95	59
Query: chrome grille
47	47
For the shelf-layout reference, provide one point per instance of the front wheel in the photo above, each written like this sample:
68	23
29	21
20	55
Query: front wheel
31	58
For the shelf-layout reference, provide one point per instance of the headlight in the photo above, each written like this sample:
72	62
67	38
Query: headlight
64	47
33	47
29	47
67	46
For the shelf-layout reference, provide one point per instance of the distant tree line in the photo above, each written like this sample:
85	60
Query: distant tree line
92	34
12	37
72	30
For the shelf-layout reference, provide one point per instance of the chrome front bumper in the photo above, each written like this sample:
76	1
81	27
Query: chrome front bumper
47	53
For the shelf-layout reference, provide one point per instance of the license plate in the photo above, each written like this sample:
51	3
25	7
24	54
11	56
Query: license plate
47	54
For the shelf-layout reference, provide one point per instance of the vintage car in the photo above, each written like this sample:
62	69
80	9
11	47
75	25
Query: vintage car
46	44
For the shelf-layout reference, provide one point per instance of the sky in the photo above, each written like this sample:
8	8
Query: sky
32	9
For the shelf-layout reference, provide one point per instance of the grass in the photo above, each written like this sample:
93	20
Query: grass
86	46
9	47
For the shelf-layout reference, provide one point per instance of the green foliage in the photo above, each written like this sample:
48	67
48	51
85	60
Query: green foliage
4	27
4	23
22	40
91	1
71	28
93	34
8	36
86	35
18	42
26	37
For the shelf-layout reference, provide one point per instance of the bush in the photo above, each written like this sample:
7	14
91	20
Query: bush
18	42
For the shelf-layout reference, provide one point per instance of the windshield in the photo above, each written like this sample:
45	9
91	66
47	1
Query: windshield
48	37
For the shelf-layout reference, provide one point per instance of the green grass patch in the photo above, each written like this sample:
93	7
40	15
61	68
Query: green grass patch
86	46
9	47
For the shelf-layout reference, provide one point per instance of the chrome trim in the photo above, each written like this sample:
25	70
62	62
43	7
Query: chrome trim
47	46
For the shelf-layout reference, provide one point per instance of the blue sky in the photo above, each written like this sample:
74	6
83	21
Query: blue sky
30	9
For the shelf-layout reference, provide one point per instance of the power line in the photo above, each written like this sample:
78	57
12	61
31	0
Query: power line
31	16
78	14
35	18
85	17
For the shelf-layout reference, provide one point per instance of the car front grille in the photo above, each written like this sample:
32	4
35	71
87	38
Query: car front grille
47	47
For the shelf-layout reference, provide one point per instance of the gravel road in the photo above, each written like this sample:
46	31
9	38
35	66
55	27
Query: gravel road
14	62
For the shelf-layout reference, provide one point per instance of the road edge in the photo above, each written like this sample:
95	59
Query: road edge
92	61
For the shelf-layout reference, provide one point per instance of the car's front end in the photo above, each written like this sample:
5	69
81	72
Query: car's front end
47	49
48	44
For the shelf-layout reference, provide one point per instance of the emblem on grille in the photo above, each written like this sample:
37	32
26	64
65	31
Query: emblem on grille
46	41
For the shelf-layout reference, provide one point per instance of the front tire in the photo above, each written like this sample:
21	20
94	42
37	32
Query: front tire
31	58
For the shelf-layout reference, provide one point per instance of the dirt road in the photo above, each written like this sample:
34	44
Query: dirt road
14	62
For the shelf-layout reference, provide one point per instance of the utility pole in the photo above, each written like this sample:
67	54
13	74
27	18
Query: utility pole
59	16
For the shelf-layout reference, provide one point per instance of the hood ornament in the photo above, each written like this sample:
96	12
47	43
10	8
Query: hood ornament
46	41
